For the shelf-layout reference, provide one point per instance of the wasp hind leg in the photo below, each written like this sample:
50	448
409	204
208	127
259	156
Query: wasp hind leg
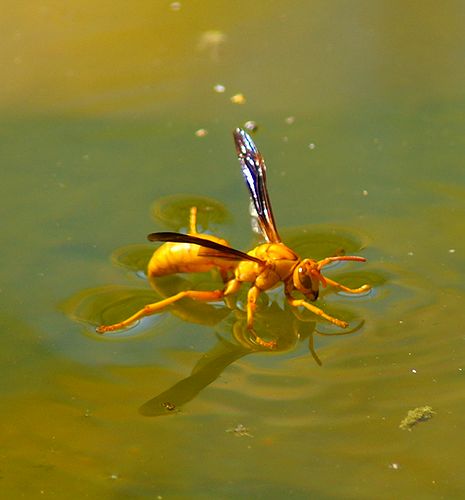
149	309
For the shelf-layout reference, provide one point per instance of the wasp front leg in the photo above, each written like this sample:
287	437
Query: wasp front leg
327	281
315	310
149	309
360	289
328	260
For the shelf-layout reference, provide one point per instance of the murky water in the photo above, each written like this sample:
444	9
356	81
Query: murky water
360	113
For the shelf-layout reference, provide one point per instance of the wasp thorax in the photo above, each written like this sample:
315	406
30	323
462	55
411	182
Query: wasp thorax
306	278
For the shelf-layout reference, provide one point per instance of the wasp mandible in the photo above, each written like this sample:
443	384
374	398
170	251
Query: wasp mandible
264	267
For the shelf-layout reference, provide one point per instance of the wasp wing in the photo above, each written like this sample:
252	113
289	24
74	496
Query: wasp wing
254	171
223	252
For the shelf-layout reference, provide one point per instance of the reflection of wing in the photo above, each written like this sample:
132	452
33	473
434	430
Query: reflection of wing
254	171
224	252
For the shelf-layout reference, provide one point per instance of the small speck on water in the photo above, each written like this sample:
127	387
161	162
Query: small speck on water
240	431
219	89
238	99
201	132
251	126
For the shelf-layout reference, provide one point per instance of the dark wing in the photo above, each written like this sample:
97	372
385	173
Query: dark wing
224	252
254	171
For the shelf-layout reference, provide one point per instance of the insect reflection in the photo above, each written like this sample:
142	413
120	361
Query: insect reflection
265	267
285	328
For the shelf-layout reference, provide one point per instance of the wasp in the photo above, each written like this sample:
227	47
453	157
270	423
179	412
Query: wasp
264	267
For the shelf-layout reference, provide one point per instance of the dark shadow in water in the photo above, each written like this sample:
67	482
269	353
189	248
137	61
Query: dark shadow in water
281	325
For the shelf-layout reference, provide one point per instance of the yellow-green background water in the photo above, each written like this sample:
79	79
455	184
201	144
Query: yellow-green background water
99	108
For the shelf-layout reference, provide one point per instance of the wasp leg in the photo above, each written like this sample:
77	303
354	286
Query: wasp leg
271	344
335	284
232	287
252	296
317	311
149	309
193	221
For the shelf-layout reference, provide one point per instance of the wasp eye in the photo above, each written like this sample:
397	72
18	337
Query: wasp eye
305	279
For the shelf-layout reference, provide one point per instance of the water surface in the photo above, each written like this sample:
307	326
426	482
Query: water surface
99	113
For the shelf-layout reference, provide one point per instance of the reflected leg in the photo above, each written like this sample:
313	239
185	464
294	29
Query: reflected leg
252	297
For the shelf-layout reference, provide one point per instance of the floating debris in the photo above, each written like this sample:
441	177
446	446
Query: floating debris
218	88
290	120
311	146
238	99
420	414
251	126
240	431
365	192
175	6
201	132
169	406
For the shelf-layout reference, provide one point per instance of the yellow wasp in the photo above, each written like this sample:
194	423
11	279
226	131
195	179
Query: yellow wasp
264	267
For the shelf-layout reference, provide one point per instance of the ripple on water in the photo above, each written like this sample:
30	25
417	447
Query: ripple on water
287	384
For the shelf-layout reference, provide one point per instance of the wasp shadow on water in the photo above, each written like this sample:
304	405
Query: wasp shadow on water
284	325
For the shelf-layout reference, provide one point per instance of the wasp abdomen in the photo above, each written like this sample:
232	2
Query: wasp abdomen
172	258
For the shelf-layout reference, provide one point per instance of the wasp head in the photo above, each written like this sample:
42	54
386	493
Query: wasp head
307	278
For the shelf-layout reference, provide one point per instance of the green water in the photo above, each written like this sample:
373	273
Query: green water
100	106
